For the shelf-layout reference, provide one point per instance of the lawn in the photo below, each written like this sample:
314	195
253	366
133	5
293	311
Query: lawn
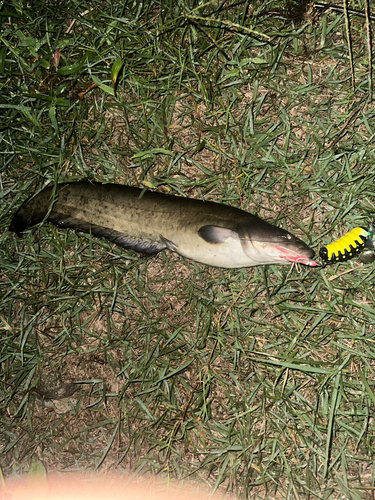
256	381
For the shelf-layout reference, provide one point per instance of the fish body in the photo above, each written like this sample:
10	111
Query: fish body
148	222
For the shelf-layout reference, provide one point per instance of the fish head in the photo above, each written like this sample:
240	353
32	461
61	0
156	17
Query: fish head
272	245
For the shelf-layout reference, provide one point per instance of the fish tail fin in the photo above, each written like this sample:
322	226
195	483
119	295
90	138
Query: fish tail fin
31	212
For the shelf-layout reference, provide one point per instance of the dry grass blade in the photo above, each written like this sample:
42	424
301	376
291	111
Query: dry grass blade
349	41
369	46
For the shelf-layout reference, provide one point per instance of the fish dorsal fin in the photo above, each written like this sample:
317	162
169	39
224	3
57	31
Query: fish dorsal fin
216	234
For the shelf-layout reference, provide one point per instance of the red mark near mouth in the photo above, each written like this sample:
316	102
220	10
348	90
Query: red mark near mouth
293	257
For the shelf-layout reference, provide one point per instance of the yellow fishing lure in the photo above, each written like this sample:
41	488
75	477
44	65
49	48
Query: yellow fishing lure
346	247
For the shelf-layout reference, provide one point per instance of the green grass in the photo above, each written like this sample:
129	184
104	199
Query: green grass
258	381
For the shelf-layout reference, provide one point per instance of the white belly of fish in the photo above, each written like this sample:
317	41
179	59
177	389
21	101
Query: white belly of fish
229	254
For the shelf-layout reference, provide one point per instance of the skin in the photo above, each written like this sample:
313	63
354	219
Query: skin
65	486
148	222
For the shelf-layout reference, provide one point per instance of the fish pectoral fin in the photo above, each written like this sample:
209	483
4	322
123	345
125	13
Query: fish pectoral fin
216	234
169	244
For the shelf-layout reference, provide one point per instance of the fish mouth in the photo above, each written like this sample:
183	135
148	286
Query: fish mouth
297	257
